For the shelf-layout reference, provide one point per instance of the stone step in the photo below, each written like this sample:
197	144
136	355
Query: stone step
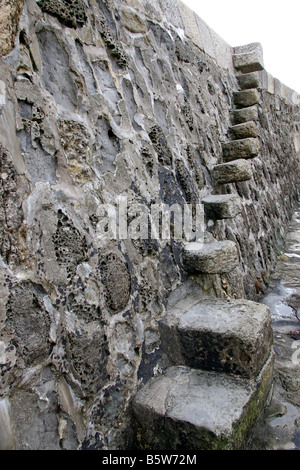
216	257
238	116
248	80
241	148
244	130
222	206
232	172
187	409
228	336
248	58
246	98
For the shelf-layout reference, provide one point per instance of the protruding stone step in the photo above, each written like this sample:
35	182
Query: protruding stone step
229	336
222	206
216	257
242	148
244	130
248	80
248	58
186	409
246	98
232	172
239	116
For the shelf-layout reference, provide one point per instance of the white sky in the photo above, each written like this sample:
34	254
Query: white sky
273	23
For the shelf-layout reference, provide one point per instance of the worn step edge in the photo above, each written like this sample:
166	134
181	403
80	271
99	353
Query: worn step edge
222	206
232	172
217	257
244	130
187	409
239	334
241	148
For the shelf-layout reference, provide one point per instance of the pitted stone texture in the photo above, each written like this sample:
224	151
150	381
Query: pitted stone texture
246	98
187	409
210	258
240	116
70	12
249	80
232	172
10	12
222	206
248	58
230	336
241	148
115	277
244	130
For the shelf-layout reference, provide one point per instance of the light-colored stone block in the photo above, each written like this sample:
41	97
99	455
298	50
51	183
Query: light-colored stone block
232	172
239	333
248	58
216	257
241	148
246	98
190	24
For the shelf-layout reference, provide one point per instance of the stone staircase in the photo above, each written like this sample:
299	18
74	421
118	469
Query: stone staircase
219	379
219	350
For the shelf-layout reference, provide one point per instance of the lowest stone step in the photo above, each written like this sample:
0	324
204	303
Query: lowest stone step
187	409
228	336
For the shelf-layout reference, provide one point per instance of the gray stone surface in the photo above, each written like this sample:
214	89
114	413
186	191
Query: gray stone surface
210	258
222	206
248	58
92	114
186	409
244	130
232	172
241	148
249	80
238	332
239	116
246	98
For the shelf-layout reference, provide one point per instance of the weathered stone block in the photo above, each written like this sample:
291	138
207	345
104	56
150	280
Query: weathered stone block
246	98
210	258
244	130
239	116
10	12
241	148
222	206
232	172
238	332
248	58
248	80
194	410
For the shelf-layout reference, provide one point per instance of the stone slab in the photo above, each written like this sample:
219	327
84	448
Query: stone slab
232	172
229	336
241	148
187	409
210	258
239	116
244	130
249	80
248	58
222	206
246	98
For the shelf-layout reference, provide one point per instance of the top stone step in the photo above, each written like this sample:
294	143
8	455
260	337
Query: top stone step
248	58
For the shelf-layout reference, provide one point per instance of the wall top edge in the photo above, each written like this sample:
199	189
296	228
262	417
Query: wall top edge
178	15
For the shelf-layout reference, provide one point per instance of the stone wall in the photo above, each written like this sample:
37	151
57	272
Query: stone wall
107	102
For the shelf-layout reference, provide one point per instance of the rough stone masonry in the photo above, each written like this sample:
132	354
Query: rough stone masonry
109	99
